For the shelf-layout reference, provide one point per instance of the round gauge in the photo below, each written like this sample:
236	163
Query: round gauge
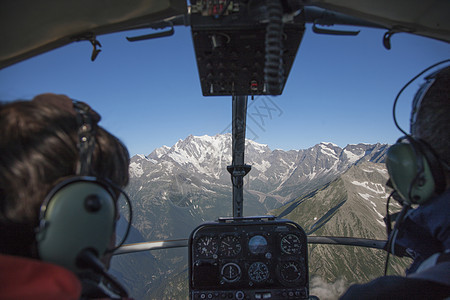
206	246
258	272
230	246
290	244
231	272
257	244
290	271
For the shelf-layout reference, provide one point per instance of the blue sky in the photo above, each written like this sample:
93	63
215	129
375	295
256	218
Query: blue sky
340	90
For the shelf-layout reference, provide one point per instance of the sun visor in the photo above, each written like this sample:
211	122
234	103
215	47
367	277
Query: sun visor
29	27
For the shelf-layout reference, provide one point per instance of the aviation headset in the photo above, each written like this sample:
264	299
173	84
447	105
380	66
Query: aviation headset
80	212
415	170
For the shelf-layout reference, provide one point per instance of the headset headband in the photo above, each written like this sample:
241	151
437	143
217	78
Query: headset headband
87	121
420	95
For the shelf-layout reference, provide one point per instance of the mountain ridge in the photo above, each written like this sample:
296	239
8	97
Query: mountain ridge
275	173
352	205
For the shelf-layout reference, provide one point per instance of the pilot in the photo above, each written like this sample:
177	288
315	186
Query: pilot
425	230
60	178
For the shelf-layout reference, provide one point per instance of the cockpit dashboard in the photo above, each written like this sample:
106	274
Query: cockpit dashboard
248	258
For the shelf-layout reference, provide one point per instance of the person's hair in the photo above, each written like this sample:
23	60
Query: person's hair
38	148
432	120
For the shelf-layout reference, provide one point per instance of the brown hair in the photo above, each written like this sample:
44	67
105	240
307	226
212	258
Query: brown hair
38	148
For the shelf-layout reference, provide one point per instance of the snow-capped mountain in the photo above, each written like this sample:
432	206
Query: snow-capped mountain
282	175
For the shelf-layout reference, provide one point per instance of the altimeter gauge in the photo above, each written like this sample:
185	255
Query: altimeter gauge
207	246
230	246
290	244
290	272
258	272
231	272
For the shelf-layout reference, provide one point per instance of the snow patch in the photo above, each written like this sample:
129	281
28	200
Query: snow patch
329	152
379	215
377	189
262	167
207	190
366	197
135	170
158	179
263	177
311	175
352	157
383	171
382	223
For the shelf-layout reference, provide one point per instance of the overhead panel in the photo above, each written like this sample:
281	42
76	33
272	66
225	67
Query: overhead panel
231	47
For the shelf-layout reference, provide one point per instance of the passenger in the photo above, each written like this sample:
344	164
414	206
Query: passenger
45	146
424	231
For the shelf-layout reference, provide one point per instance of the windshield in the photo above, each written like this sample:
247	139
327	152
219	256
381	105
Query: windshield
335	111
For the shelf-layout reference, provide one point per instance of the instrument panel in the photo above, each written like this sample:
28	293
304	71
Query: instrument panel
248	258
230	46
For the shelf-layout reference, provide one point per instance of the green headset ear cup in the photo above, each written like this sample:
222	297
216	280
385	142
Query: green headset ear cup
78	216
403	167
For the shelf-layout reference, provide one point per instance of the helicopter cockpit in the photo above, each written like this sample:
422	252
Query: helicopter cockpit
242	49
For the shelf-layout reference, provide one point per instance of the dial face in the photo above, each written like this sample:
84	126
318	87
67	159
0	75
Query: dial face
231	272
290	244
230	246
206	246
290	271
257	244
258	272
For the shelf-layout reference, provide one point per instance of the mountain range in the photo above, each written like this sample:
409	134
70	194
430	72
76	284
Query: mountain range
276	177
326	189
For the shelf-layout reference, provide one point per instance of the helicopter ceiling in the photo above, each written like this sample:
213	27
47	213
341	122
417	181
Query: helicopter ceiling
29	28
426	18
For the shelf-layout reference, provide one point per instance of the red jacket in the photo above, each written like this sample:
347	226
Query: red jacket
25	278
